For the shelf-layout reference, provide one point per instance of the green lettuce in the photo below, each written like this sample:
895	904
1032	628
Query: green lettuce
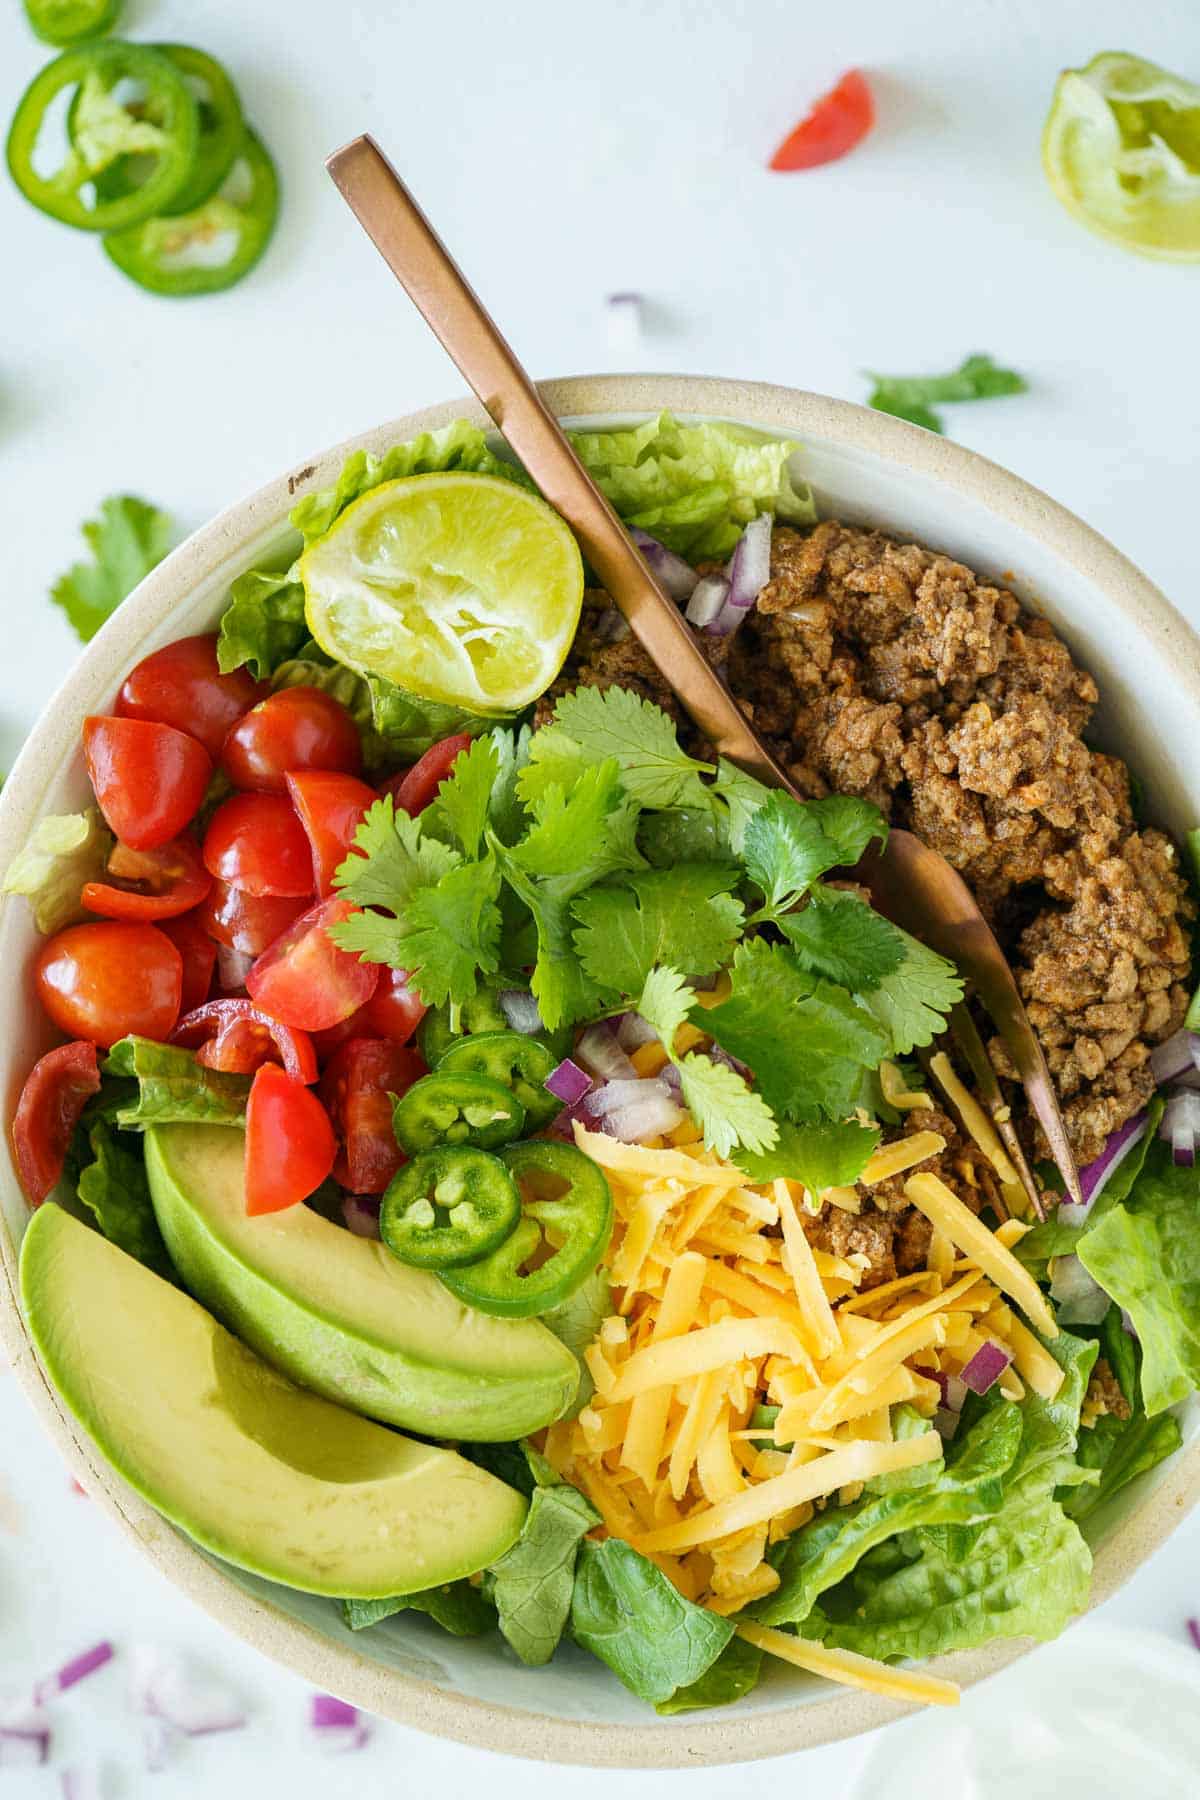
457	1606
1053	1238
114	1189
1120	1449
164	1085
576	1320
695	487
734	1675
1145	1254
532	1583
626	1612
63	852
264	623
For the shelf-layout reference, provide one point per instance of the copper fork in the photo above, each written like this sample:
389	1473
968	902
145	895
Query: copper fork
910	883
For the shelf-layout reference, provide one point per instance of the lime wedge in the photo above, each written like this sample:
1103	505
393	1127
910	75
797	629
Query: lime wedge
457	587
1121	149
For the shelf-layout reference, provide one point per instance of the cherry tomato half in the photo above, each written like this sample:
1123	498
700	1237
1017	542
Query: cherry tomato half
357	1088
149	779
102	981
330	808
238	1037
182	685
394	1011
837	122
256	843
247	923
416	787
150	884
56	1091
290	1144
297	728
305	980
199	953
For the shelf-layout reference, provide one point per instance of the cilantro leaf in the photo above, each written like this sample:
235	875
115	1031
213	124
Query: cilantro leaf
126	541
820	1156
725	1107
743	795
582	833
686	916
911	1002
506	814
686	834
805	1039
560	985
464	798
850	824
840	936
447	934
911	396
615	722
391	859
787	844
666	1000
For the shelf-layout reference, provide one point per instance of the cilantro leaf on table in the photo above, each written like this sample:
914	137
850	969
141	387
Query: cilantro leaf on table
805	1039
617	723
726	1108
684	916
264	624
127	540
787	845
626	1612
838	935
912	397
820	1156
911	1003
391	859
448	933
533	1581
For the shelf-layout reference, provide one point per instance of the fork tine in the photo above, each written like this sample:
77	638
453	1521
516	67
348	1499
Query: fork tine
966	1036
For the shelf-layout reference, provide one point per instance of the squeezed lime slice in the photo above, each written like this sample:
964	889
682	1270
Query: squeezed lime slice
1121	149
457	587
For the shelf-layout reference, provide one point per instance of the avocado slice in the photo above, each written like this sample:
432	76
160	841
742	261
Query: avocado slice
339	1313
263	1474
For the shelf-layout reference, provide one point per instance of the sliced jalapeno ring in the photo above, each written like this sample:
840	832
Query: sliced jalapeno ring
447	1207
211	247
518	1063
63	22
456	1109
481	1013
106	133
574	1223
221	132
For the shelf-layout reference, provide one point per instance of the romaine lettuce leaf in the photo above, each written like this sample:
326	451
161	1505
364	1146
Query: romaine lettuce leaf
167	1086
457	1606
264	623
63	852
734	1675
114	1188
626	1612
1053	1238
533	1582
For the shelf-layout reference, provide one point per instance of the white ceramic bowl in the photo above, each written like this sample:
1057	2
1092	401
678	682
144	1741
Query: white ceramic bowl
863	466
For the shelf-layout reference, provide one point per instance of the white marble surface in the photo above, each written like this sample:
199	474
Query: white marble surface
567	152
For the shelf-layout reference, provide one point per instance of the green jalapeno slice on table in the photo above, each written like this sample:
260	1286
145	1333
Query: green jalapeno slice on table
448	1108
448	1207
157	133
566	1209
63	22
518	1063
222	130
214	245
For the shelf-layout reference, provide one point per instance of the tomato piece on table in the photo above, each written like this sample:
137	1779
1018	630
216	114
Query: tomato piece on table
414	788
199	952
182	685
358	1087
330	807
837	122
297	728
305	980
256	843
150	884
101	982
56	1090
238	1037
248	923
149	779
290	1146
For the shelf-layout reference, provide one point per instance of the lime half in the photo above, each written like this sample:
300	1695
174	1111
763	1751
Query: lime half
1121	150
457	587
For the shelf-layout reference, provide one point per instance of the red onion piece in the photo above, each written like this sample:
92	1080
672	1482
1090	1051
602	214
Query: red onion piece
986	1367
609	627
633	1031
1193	1630
1093	1178
361	1213
86	1663
1180	1126
674	576
1180	1055
162	1687
648	1116
954	1395
612	1095
568	1082
749	568
24	1734
521	1010
707	602
80	1784
335	1725
599	1051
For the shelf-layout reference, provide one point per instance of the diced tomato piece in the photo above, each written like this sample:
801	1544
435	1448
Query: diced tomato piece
103	981
290	1144
182	685
297	728
358	1087
394	1011
256	843
149	779
199	953
416	787
330	807
839	120
238	1037
150	884
305	980
56	1090
248	923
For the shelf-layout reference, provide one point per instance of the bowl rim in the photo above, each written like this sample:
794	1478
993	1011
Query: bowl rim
693	1740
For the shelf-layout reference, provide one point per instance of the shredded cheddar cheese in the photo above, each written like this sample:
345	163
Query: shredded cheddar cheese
852	1670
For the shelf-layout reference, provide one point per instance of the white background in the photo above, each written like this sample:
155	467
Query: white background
567	151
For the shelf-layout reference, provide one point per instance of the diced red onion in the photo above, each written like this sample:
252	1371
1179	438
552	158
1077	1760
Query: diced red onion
162	1687
80	1784
986	1367
633	1031
24	1734
1180	1125
600	1053
1093	1178
521	1010
1180	1055
609	627
361	1213
749	568
568	1082
717	1053
945	1423
158	1744
336	1725
612	1095
674	576
79	1667
642	1119
673	1079
707	602
954	1395
1193	1630
233	966
1078	1296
